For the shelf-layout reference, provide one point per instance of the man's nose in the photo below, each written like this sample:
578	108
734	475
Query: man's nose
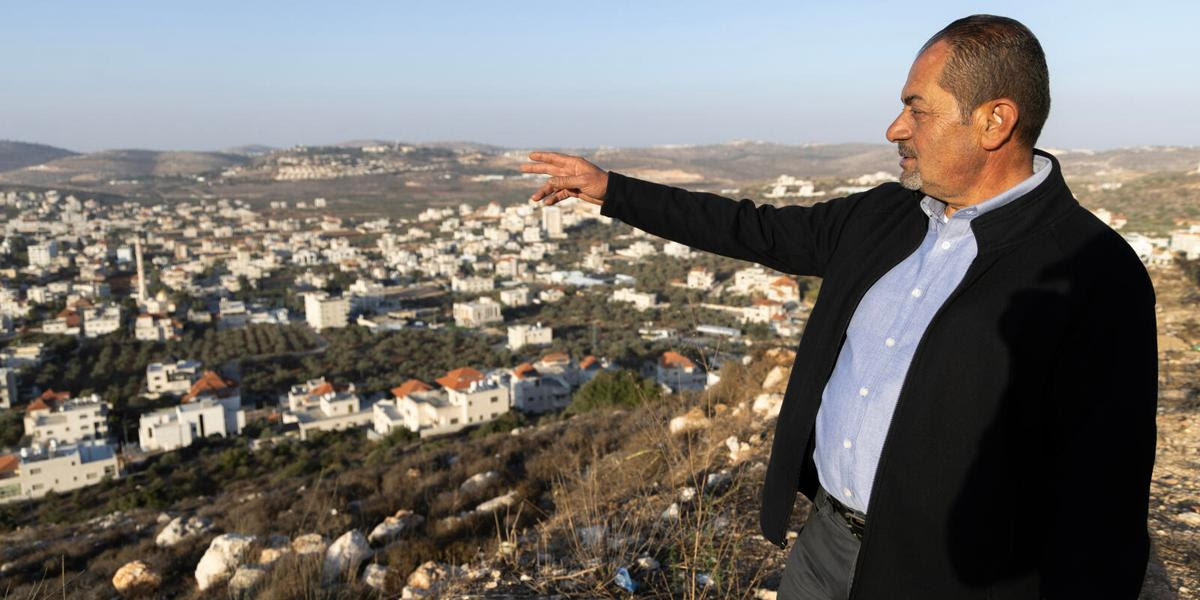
898	130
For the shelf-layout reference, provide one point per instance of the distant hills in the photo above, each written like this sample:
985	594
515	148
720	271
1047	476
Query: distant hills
707	165
14	155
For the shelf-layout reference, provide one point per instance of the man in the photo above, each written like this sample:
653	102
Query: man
972	405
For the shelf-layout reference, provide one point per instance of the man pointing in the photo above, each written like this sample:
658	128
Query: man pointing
972	405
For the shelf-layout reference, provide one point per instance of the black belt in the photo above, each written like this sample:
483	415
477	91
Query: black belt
856	521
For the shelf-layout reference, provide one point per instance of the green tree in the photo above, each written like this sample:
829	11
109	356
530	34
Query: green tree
622	388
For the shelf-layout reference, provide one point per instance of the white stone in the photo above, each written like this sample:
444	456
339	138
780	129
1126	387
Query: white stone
693	420
687	494
245	579
591	536
498	502
344	555
767	405
181	528
671	513
479	482
647	563
394	526
738	451
431	575
1189	518
310	543
777	376
223	556
136	579
717	481
374	577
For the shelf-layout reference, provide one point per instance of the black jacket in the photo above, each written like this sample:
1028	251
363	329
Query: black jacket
1018	461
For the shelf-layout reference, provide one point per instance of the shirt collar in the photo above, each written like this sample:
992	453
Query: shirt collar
936	209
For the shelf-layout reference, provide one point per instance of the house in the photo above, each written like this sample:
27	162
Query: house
784	290
472	314
640	300
324	312
471	284
174	378
529	335
178	426
700	278
151	327
678	373
466	397
54	467
57	416
8	387
533	392
318	405
518	296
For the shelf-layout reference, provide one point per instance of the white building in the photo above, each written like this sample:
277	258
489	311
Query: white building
529	335
641	300
552	222
466	398
700	278
178	426
472	314
43	468
57	416
533	392
323	312
518	296
156	328
471	284
318	405
677	250
174	378
8	387
44	254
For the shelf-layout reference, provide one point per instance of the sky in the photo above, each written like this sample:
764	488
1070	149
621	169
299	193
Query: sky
88	75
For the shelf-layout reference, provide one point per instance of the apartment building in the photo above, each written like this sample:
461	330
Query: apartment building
57	416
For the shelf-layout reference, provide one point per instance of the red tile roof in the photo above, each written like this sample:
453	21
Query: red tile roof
49	400
460	378
524	370
556	357
8	463
672	359
588	361
410	386
211	384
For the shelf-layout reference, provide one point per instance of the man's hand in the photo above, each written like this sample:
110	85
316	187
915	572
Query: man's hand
570	176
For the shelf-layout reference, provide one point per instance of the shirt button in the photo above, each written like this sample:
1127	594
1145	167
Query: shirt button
945	245
846	491
863	391
846	443
890	342
916	292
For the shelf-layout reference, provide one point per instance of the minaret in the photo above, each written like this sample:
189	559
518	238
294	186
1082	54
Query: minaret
141	273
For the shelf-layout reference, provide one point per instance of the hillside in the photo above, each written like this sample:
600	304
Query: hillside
99	168
16	155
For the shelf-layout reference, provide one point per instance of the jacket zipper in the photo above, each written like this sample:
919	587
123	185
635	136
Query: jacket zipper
971	272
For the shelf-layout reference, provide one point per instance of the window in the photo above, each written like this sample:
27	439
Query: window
35	471
454	421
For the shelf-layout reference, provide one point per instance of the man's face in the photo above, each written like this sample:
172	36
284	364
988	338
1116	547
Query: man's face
942	156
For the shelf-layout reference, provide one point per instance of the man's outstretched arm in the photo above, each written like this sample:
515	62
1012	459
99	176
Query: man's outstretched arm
791	239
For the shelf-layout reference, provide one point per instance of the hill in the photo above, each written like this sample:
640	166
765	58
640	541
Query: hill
16	155
101	167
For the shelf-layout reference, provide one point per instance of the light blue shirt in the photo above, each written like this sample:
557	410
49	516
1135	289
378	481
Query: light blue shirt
860	396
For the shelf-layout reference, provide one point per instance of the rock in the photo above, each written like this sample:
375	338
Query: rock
1189	518
222	558
425	579
694	419
765	594
374	577
767	405
498	502
506	548
413	473
478	482
515	431
268	556
136	579
687	494
181	528
163	518
776	379
671	513
781	355
244	580
738	451
717	482
647	563
311	543
394	526
344	555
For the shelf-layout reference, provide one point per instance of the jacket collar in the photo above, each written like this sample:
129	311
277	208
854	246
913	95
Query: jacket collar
1027	214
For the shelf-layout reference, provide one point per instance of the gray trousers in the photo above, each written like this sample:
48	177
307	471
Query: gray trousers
821	563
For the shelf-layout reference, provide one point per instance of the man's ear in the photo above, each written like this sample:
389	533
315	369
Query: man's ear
999	121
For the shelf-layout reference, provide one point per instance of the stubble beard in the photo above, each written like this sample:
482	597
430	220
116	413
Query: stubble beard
910	179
